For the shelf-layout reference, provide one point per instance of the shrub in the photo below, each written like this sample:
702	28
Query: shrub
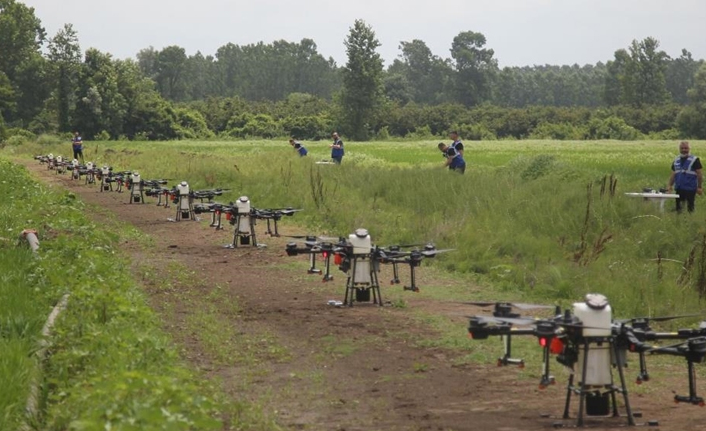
611	128
563	131
476	132
102	136
309	127
190	124
383	134
17	131
47	140
16	141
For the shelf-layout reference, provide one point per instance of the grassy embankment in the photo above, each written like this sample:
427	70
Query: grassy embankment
532	220
110	366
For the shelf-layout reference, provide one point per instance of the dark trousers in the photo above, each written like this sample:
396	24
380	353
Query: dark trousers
337	159
78	153
686	195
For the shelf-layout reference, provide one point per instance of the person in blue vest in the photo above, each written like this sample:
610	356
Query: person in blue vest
77	146
456	144
301	150
454	158
337	148
686	177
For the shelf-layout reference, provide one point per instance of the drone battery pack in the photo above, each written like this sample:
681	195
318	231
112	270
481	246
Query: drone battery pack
597	404
362	295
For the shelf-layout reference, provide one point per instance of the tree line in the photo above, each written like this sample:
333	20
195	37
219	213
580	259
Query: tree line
49	85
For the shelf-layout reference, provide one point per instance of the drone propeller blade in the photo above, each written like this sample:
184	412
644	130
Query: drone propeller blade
518	305
662	348
435	252
524	306
661	318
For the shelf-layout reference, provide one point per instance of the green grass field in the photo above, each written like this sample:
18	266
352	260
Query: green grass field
530	219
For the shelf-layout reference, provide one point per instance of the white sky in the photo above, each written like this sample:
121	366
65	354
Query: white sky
522	32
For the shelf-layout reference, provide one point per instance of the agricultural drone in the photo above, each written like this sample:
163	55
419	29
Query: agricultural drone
360	260
242	216
587	341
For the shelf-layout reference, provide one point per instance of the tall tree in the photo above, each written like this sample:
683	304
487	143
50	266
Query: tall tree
65	58
21	37
680	76
426	73
362	93
475	68
691	119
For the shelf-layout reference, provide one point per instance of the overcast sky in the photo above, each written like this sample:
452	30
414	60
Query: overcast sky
522	32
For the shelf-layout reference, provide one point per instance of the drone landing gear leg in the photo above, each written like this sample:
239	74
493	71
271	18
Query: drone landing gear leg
276	234
582	390
692	398
377	296
643	376
219	226
623	388
569	390
312	265
413	285
546	379
507	358
253	238
395	274
348	299
327	273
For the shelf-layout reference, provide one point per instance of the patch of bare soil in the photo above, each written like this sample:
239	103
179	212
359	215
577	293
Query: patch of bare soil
318	367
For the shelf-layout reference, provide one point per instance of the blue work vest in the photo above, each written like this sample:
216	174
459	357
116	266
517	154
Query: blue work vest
302	151
685	175
456	159
337	152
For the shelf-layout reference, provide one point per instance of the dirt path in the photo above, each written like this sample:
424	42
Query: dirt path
252	320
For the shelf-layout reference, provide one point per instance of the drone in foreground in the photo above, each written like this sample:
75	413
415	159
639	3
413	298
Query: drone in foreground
587	341
360	260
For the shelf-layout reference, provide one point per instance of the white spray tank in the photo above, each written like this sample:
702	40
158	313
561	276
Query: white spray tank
183	194
136	186
105	171
595	313
74	169
362	247
60	164
89	165
243	206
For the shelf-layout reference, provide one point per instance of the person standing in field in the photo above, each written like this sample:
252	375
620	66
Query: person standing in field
456	144
337	148
301	150
454	159
77	146
686	177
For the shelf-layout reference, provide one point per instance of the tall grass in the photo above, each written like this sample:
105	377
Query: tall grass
110	366
532	218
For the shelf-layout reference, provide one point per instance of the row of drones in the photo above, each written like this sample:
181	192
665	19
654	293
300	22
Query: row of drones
591	345
355	254
585	339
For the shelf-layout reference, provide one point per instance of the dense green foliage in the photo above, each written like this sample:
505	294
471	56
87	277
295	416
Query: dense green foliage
110	366
49	85
530	218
